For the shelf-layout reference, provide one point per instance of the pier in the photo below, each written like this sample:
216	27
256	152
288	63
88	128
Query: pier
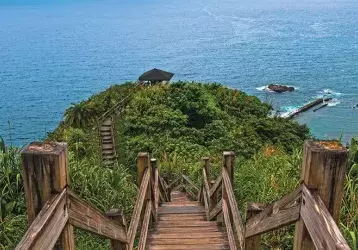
307	107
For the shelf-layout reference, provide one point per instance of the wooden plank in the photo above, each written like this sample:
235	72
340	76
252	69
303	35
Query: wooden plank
201	241
252	209
221	246
278	214
186	178
133	226
216	210
188	235
118	216
144	232
85	216
142	164
186	224
229	230
206	194
48	224
156	192
199	229
324	169
216	186
181	204
321	226
237	221
45	172
176	180
181	210
206	204
183	218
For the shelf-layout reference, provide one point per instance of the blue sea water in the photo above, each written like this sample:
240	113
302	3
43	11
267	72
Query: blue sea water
55	53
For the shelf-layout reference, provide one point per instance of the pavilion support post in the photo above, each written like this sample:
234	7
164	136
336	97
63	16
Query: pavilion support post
252	209
45	172
323	169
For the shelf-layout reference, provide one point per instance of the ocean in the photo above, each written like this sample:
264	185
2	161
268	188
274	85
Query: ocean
53	54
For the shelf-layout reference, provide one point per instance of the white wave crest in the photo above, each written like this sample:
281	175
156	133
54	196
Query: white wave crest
333	102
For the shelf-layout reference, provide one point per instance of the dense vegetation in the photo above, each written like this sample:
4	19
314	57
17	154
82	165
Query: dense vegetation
178	124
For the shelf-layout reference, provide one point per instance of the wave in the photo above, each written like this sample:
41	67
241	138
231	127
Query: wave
333	102
287	111
331	92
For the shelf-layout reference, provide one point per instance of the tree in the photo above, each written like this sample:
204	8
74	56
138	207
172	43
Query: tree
80	115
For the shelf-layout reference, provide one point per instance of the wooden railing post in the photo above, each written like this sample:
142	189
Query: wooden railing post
206	165
45	172
252	209
144	163
156	191
323	169
118	216
228	163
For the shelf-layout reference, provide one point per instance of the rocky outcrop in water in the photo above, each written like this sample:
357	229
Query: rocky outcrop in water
280	88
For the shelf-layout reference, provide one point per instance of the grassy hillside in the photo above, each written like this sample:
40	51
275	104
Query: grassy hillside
178	124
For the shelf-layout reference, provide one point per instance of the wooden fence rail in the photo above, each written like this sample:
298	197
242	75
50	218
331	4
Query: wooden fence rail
314	212
53	209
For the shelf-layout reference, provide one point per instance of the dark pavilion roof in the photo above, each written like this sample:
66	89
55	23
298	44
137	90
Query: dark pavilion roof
156	75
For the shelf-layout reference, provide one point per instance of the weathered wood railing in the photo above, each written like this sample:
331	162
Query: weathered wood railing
183	182
53	209
314	206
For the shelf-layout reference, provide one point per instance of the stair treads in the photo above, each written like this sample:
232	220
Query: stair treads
200	241
186	223
184	217
181	210
190	247
202	229
188	235
183	204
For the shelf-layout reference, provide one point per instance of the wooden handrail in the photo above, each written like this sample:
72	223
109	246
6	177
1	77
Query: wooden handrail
230	233
132	230
146	221
48	224
84	215
233	208
278	214
206	194
186	178
321	226
114	107
216	186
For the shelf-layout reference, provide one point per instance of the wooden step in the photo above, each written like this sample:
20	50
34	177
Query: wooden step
181	210
190	247
106	146
203	229
188	235
185	241
186	224
108	121
108	157
183	204
184	217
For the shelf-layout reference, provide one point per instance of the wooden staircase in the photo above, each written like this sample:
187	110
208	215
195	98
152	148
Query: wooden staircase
166	218
182	224
108	143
